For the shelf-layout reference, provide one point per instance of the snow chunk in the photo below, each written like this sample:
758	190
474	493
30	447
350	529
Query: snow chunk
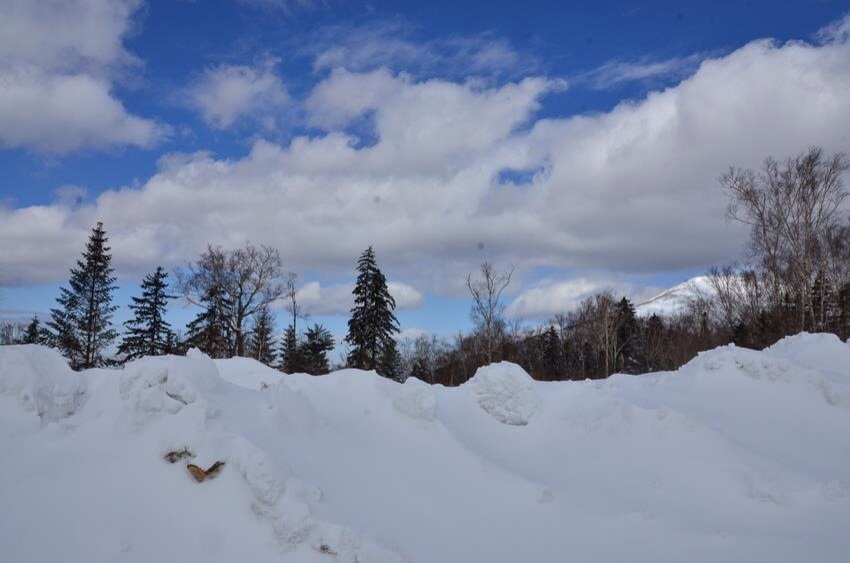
415	399
292	410
41	380
248	373
505	392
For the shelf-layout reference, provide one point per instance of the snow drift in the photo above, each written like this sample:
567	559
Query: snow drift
739	456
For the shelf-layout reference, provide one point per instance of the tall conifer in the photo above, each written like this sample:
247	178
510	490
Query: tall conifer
372	324
261	345
81	327
148	333
318	341
210	330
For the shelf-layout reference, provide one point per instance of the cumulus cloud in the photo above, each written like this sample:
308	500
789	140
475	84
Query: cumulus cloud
58	63
626	191
337	299
227	93
550	297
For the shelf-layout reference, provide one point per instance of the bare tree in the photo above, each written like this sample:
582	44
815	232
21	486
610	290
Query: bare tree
791	208
10	333
248	277
290	294
487	309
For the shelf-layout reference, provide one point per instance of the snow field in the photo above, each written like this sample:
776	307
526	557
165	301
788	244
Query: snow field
738	456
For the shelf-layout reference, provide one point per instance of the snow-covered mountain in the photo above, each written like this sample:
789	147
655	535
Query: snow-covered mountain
739	456
676	299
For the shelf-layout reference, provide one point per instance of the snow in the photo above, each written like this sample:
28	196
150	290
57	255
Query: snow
739	456
505	392
677	298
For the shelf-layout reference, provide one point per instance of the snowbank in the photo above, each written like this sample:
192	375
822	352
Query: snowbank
41	381
505	392
739	456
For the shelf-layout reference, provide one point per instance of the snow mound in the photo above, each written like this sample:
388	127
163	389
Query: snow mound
738	456
248	373
415	399
291	409
505	392
41	381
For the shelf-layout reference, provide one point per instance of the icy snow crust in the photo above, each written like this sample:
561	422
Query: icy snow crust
739	456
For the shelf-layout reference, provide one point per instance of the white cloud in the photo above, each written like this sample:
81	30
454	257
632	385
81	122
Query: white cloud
58	113
227	93
626	191
406	296
283	5
616	72
337	299
58	62
392	44
551	297
836	32
411	333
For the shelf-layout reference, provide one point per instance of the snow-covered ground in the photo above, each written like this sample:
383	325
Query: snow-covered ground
740	456
677	298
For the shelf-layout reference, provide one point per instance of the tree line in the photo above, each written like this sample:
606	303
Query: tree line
796	277
234	292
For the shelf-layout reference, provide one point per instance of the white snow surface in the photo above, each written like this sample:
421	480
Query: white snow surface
677	298
739	456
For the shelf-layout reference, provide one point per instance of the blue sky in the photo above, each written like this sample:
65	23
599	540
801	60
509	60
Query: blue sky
580	142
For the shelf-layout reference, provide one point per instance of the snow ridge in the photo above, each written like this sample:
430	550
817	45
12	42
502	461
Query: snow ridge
738	456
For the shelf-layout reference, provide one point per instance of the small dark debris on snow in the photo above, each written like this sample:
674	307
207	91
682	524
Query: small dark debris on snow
325	548
201	474
177	455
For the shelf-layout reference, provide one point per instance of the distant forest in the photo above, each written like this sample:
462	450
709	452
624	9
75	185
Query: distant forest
796	277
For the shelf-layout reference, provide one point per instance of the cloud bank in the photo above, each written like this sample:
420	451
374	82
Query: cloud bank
58	67
626	191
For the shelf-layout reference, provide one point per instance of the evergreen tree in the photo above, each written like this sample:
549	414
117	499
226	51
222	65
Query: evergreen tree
148	333
35	333
210	330
841	316
290	354
372	323
653	344
390	361
554	361
81	326
628	360
420	370
318	342
261	345
742	335
589	360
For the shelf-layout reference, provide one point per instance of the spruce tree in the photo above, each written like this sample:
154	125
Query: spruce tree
652	343
81	326
372	323
554	361
627	338
261	345
419	369
318	341
34	333
290	353
210	330
390	361
148	333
